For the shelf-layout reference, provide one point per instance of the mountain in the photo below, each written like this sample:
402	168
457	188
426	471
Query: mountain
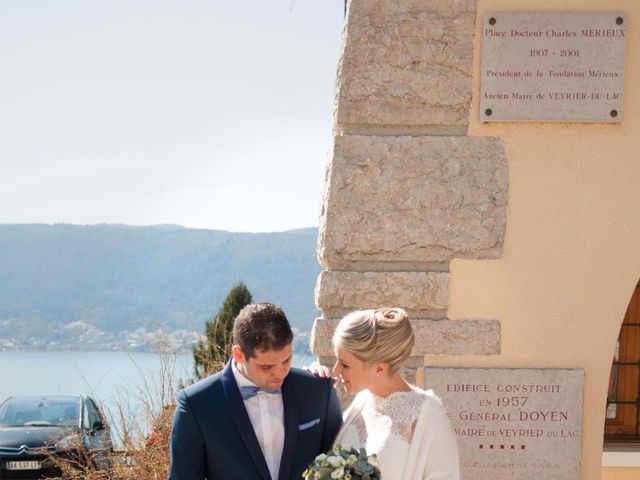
114	280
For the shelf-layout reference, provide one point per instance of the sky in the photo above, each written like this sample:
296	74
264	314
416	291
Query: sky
211	114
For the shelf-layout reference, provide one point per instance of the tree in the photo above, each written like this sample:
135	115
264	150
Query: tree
212	353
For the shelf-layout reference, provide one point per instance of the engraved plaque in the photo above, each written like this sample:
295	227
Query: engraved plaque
513	424
553	67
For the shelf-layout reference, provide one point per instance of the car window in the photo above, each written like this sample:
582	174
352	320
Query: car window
97	411
92	414
86	421
39	411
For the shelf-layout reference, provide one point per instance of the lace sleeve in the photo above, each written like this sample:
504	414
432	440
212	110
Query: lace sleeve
403	408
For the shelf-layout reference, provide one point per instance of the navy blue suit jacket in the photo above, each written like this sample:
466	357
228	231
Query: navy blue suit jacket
213	438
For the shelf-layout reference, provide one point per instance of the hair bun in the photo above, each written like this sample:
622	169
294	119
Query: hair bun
396	314
378	335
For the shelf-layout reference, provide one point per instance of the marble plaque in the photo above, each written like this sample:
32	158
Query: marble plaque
553	66
513	424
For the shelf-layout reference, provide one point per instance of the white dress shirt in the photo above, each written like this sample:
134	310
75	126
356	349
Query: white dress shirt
266	413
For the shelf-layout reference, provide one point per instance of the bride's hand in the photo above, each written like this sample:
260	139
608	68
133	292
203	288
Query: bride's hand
319	370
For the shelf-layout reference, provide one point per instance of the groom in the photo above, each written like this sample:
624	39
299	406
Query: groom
258	419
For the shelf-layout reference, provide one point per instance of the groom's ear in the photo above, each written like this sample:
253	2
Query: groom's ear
238	356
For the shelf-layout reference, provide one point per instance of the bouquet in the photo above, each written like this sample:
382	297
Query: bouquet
343	464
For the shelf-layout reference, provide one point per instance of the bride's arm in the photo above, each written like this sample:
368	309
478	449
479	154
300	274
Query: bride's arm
442	457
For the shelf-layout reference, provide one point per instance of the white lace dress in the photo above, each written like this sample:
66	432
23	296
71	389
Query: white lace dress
409	431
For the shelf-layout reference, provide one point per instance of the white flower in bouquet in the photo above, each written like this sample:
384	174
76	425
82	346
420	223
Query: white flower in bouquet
343	464
336	461
337	473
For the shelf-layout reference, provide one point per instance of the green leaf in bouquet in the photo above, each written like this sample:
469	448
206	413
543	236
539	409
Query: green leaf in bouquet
345	453
363	467
325	473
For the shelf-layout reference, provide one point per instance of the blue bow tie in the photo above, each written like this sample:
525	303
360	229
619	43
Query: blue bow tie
251	391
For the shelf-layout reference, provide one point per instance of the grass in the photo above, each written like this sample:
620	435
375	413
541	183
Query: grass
143	452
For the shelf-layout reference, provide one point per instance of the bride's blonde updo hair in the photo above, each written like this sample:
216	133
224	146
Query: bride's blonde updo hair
382	335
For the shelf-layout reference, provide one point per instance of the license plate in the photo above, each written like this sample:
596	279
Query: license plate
24	465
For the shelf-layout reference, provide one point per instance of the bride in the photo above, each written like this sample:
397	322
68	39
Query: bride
405	426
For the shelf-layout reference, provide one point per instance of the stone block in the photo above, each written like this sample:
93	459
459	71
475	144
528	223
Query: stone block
420	293
433	337
406	63
409	369
456	337
417	200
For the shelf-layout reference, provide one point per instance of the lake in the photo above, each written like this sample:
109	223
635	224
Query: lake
113	378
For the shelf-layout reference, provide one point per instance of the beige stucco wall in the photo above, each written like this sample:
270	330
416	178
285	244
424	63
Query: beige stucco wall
620	473
572	247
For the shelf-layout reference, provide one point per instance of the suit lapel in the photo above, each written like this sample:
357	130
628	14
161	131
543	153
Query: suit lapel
242	421
291	423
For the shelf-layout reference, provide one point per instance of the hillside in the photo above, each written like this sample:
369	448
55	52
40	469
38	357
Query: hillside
62	283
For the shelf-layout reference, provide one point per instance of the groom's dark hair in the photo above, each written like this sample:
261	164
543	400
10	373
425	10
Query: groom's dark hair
261	326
